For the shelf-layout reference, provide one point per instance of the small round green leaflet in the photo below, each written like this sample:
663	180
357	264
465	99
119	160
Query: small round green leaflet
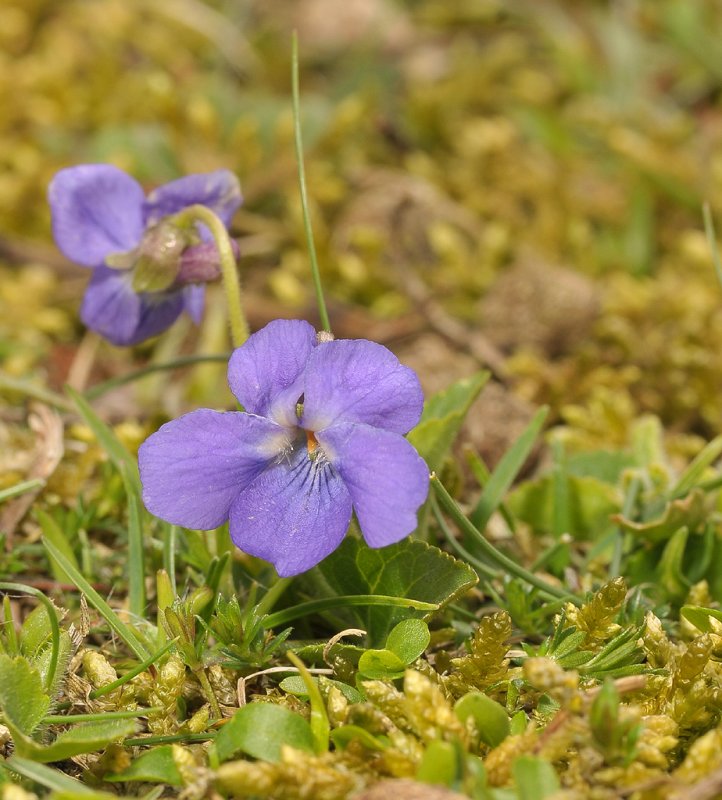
153	766
380	665
409	639
490	718
406	642
260	730
441	764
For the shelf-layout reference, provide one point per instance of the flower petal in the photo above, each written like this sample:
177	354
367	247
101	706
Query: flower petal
193	468
266	372
294	514
354	380
386	478
194	298
158	311
220	191
110	306
96	210
124	317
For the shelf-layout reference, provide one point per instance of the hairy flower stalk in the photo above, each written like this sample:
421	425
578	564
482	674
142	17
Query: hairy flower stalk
322	437
150	256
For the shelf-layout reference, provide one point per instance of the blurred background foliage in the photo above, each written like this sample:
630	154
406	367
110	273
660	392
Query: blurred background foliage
518	182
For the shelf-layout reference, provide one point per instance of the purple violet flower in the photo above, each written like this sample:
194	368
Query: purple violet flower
146	269
322	436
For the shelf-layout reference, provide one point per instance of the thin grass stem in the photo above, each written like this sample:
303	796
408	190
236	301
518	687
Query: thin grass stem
496	556
185	361
315	273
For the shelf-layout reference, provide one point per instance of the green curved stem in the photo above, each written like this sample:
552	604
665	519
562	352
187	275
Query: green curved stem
185	361
229	269
326	603
52	618
496	556
322	312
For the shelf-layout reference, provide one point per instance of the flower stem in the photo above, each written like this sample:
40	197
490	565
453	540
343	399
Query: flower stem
229	269
322	312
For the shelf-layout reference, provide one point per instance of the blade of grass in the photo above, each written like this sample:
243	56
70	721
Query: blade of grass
21	488
136	559
169	544
11	384
495	556
126	465
61	719
482	473
506	471
186	361
106	437
712	240
320	727
561	522
54	533
692	475
131	673
484	570
140	741
125	632
46	776
315	273
52	619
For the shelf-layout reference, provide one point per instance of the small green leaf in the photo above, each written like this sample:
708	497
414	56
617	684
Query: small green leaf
490	718
88	737
700	617
23	701
260	729
381	665
154	766
535	779
35	632
518	723
440	764
443	417
44	659
409	639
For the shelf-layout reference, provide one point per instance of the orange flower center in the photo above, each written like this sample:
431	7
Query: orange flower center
311	443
